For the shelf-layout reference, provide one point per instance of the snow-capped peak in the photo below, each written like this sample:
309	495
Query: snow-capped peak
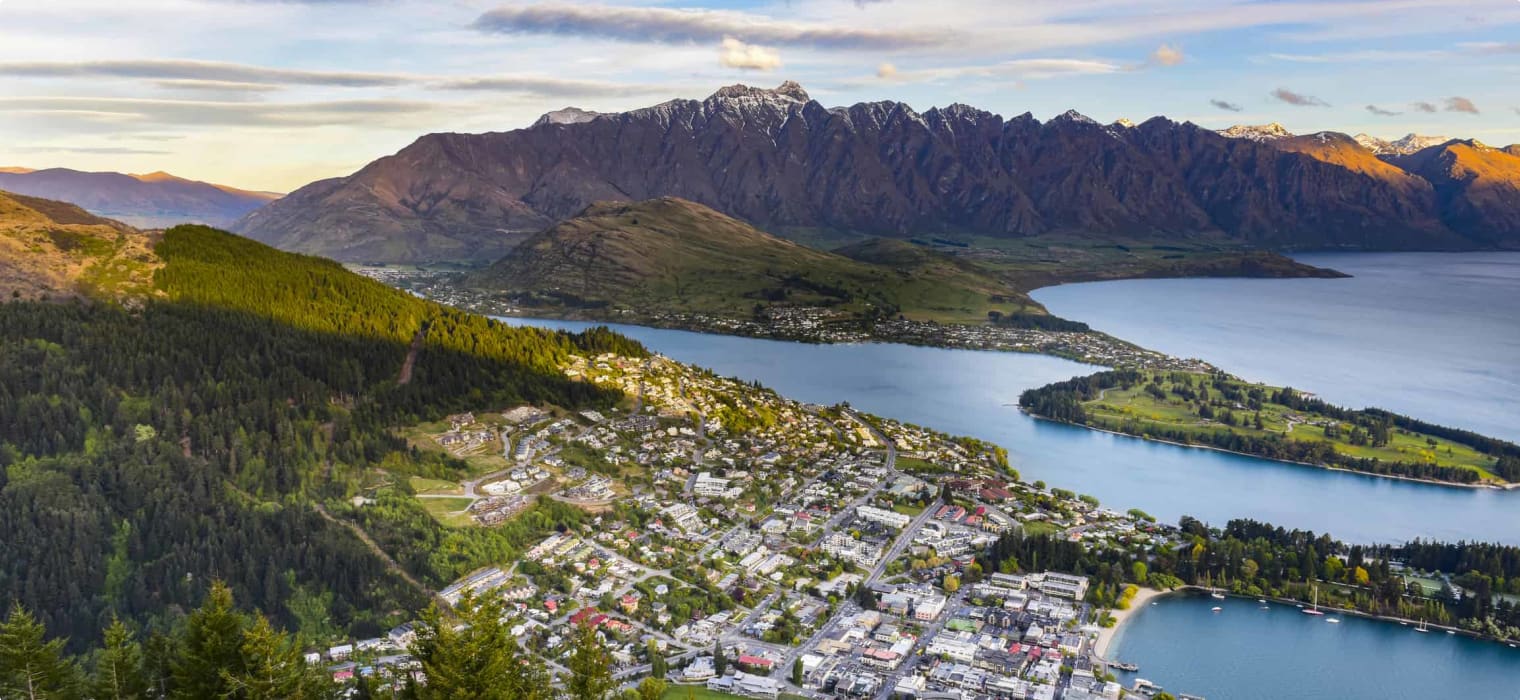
1401	147
1121	121
788	91
1263	132
1072	115
568	115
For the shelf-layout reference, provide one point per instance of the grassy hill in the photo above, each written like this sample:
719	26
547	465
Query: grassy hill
672	255
217	429
1217	410
55	249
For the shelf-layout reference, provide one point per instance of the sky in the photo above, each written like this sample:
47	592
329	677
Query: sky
273	94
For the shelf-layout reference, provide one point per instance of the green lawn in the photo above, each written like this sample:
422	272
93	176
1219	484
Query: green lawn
435	487
1118	406
449	511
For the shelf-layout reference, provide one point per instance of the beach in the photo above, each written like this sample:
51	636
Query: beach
1142	599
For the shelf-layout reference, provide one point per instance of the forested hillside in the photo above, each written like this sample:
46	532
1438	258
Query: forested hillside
145	453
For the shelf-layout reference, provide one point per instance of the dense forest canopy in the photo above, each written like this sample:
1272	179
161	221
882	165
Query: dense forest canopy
146	452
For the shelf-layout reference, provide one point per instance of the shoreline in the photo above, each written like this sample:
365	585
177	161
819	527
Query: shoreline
1399	477
1107	635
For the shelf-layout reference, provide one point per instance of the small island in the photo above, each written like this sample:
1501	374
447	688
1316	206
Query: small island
1223	412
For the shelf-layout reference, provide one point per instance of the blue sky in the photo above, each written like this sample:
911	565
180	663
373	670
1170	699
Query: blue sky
271	94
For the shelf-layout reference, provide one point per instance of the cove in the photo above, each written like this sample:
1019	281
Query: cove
1244	652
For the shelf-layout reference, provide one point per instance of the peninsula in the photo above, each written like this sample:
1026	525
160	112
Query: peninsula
1223	412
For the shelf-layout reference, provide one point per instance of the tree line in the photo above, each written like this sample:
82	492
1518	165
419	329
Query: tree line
145	452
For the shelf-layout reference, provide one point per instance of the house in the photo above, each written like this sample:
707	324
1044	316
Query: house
700	669
403	634
746	685
756	663
340	652
629	603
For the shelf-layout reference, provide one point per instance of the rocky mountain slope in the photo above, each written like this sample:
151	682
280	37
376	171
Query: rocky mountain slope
671	255
56	249
155	200
786	163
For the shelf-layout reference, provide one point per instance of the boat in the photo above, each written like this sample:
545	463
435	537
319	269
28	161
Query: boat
1422	627
1314	610
1261	600
1333	620
1451	631
1215	594
1216	608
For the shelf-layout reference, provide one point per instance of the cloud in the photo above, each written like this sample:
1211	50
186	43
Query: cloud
1461	104
92	150
184	70
549	87
121	112
1167	55
1491	47
215	86
1298	99
886	71
1382	112
1226	106
737	54
1426	107
1024	69
671	26
1367	56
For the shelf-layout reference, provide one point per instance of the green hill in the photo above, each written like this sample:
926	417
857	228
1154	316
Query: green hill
56	249
670	255
218	428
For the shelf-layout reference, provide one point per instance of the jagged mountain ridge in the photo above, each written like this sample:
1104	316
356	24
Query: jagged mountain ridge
782	161
153	200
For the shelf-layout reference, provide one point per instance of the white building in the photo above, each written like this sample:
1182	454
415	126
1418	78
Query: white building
883	516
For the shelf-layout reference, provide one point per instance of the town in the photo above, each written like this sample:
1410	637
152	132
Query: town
755	546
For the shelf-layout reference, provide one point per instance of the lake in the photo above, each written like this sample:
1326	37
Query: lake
975	393
1246	653
1432	335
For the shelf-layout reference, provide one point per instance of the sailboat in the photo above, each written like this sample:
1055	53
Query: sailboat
1421	627
1215	594
1314	610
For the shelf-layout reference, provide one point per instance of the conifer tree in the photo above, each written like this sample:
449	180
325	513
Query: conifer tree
120	673
590	666
31	666
212	648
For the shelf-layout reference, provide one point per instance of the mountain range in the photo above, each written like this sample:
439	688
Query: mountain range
154	200
783	162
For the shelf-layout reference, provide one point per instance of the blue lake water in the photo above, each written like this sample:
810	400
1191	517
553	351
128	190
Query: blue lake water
974	393
1433	335
1246	653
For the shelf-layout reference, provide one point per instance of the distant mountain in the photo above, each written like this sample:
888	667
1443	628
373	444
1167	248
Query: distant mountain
1340	149
1477	187
1399	147
154	200
783	162
56	249
1260	133
675	256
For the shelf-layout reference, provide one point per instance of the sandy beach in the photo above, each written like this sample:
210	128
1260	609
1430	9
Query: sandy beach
1142	599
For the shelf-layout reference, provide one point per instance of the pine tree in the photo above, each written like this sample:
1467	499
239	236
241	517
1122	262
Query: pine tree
590	666
797	672
212	648
475	656
31	666
120	673
273	668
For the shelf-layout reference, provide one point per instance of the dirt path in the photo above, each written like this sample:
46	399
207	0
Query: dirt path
405	376
390	563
